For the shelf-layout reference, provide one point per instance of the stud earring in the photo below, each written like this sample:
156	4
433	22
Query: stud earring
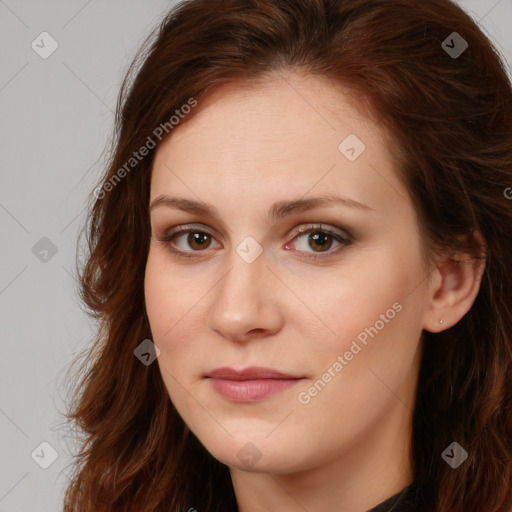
441	321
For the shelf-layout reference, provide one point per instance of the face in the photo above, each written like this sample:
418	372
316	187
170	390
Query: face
284	284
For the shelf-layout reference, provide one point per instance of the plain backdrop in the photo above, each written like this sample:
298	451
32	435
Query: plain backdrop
56	115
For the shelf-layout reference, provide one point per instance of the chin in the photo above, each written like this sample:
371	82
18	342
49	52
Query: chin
257	454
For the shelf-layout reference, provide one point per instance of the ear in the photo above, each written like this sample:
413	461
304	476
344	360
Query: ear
454	285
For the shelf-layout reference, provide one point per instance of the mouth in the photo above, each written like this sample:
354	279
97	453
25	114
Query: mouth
251	384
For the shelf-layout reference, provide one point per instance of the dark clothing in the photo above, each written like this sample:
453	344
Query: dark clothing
404	501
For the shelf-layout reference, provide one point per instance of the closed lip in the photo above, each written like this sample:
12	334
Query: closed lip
251	373
251	384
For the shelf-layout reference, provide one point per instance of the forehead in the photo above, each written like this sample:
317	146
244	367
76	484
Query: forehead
282	109
290	133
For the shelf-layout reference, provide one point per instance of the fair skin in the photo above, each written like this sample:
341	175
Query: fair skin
347	446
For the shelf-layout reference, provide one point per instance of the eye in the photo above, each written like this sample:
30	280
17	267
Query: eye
190	242
320	239
180	240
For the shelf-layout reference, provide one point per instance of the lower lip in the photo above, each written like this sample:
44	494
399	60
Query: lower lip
250	390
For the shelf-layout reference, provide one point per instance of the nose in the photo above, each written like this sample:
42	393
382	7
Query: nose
246	302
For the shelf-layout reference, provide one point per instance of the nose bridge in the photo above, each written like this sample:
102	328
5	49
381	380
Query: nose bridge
244	299
241	285
247	262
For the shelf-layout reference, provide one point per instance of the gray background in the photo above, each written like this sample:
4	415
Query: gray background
56	117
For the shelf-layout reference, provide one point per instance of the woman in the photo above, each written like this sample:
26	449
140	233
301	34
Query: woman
299	257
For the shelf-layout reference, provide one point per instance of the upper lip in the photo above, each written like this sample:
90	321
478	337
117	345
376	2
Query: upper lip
251	373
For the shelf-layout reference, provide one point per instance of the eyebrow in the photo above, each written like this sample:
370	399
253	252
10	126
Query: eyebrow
277	211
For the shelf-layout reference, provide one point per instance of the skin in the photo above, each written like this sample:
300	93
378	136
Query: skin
348	448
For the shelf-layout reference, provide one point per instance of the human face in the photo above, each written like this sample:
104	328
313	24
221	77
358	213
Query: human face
247	291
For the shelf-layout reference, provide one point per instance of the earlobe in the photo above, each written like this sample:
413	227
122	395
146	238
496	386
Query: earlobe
454	288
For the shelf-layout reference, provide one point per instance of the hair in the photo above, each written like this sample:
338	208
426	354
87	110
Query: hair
449	121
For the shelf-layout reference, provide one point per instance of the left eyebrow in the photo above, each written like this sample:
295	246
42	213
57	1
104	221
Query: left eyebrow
281	209
278	210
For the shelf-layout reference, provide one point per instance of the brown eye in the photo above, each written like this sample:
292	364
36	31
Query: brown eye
320	240
198	240
186	242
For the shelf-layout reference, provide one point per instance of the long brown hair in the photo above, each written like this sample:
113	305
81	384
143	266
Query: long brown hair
449	118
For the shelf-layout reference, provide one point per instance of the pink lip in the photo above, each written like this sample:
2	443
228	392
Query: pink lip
251	384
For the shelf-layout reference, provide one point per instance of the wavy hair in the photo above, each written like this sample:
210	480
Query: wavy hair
450	123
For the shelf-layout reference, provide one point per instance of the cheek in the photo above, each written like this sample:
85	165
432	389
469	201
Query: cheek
168	294
374	326
175	309
343	304
166	306
378	326
159	294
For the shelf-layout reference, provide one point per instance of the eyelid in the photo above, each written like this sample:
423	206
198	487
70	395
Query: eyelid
331	230
183	228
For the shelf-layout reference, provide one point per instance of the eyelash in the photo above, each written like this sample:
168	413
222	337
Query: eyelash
168	238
